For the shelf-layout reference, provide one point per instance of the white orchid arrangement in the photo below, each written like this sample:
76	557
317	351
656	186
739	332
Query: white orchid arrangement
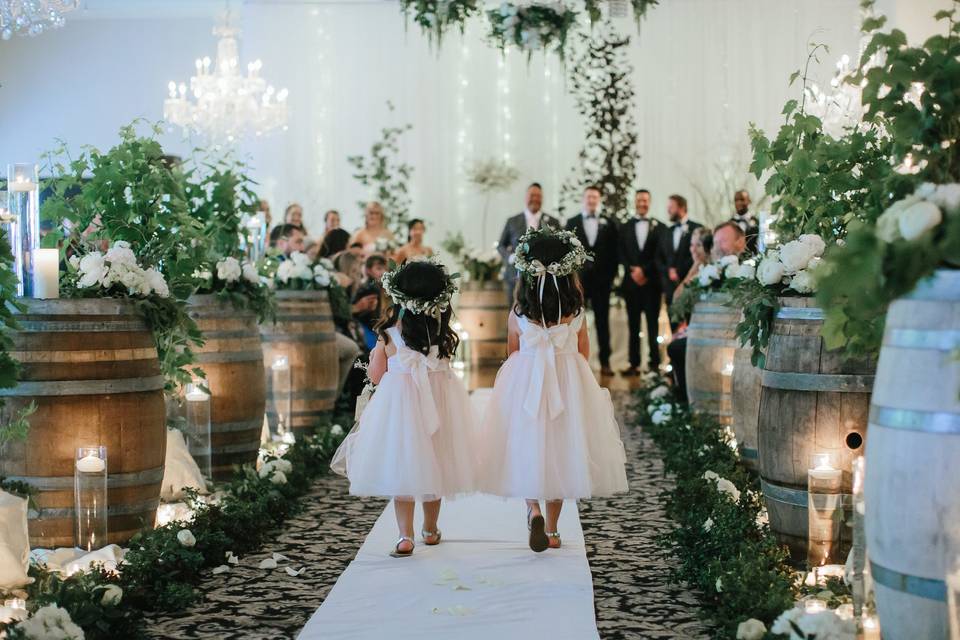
299	272
116	271
426	306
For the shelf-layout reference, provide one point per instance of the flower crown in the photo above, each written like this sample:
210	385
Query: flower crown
432	306
573	261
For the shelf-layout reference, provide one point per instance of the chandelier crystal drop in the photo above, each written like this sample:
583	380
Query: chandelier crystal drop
223	104
32	17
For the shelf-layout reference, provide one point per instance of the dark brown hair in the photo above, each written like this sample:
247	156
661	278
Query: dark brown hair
421	279
567	294
680	200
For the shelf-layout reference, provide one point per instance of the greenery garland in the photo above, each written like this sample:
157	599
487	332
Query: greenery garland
436	16
163	565
723	544
531	27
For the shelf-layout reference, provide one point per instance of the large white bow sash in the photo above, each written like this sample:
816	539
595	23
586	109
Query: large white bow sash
543	380
420	366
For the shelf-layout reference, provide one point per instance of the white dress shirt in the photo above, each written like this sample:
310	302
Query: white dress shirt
678	231
642	229
591	226
745	221
533	219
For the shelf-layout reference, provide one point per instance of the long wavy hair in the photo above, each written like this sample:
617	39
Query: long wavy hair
420	331
566	295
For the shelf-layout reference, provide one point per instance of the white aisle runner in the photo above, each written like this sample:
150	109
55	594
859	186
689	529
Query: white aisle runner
481	583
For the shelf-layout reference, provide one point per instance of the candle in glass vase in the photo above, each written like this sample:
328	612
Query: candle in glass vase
91	463
871	628
198	427
46	274
822	469
90	498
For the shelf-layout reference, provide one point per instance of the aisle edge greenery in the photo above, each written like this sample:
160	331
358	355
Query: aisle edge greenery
162	566
722	543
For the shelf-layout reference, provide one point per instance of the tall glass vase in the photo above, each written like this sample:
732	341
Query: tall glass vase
90	497
281	388
23	188
197	403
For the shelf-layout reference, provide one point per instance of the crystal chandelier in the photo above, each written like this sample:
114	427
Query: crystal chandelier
223	104
32	17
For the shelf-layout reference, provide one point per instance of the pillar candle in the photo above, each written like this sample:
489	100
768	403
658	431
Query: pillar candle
46	275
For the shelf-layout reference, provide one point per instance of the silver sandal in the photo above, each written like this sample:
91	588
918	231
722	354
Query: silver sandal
555	535
431	534
396	553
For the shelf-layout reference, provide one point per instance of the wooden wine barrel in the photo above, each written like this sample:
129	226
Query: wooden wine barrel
483	313
304	332
746	406
91	368
912	485
711	341
812	400
232	360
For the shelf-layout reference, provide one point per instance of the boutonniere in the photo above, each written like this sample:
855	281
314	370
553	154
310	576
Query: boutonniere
603	221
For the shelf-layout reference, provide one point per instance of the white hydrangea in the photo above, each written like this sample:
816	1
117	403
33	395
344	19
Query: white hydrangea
770	271
118	266
285	271
250	273
50	623
93	269
229	269
121	253
708	274
795	255
802	282
751	629
814	242
822	625
157	282
918	219
321	276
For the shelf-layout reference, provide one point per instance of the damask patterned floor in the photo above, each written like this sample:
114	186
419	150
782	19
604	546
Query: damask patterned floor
633	598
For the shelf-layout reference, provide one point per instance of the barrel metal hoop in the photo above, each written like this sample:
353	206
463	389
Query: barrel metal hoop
309	294
710	342
304	317
48	513
310	394
942	340
301	338
834	382
939	422
82	356
84	387
114	480
942	286
795	497
240	425
749	454
928	588
81	326
226	335
229	356
800	313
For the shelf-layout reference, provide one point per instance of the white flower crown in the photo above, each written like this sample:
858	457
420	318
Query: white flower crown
572	262
433	306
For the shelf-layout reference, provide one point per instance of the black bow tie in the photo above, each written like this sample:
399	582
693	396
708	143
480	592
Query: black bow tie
676	225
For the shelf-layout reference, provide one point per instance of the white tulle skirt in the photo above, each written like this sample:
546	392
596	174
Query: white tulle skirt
577	454
389	453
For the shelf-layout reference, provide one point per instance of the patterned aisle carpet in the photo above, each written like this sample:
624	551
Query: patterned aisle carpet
633	598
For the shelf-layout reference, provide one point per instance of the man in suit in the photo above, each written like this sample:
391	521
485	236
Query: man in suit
532	216
642	289
598	233
675	259
745	219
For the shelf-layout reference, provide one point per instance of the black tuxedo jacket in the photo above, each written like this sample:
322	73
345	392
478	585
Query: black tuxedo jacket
646	257
679	258
514	228
602	270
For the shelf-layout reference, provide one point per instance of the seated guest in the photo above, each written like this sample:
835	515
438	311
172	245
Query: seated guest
728	240
367	299
414	247
289	239
312	249
374	229
335	239
349	271
356	249
294	215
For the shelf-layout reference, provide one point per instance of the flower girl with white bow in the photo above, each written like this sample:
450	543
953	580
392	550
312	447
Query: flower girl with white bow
550	432
413	441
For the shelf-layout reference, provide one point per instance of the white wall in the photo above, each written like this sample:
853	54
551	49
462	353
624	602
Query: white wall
704	69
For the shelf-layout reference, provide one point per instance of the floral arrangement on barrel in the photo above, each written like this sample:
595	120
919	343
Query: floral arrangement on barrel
220	193
715	277
532	26
909	227
127	232
480	266
300	273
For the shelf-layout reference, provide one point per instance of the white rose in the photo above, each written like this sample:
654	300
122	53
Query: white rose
131	278
267	468
710	475
156	282
770	271
278	477
185	537
250	273
283	465
336	430
719	585
74	261
802	282
708	524
659	416
121	253
229	269
321	276
300	259
708	274
660	391
918	219
111	595
814	242
751	629
746	271
727	261
947	197
727	487
92	269
888	224
814	263
285	271
795	255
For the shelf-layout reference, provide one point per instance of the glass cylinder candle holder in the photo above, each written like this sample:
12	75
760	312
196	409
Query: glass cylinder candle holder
824	511
953	598
256	233
871	628
281	390
197	403
23	187
859	547
90	497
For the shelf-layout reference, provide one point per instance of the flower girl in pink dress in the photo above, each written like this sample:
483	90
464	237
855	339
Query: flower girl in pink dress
413	440
550	432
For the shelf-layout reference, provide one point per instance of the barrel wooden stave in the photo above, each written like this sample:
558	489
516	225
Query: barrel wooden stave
711	342
745	399
812	400
912	485
305	333
232	360
483	312
91	368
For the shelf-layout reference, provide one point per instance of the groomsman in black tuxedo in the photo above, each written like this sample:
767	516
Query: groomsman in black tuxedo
675	259
642	289
745	219
598	233
532	217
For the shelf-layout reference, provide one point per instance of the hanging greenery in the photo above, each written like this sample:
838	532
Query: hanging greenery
386	176
600	81
532	27
436	16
